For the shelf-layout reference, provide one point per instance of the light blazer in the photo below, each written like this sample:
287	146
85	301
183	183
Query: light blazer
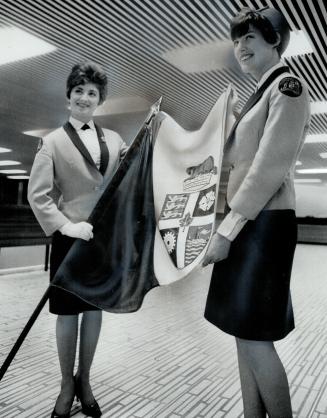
61	167
263	151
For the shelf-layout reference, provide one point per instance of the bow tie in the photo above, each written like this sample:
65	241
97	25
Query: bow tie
85	127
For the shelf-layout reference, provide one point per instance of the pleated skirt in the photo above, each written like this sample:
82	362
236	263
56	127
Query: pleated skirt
62	302
249	294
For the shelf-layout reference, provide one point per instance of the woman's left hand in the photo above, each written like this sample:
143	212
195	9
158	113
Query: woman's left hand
218	249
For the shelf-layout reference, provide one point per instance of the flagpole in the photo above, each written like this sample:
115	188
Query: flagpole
24	333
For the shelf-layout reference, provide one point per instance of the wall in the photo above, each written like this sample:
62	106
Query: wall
311	200
13	257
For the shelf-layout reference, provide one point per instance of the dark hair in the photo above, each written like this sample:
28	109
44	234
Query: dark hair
88	72
240	25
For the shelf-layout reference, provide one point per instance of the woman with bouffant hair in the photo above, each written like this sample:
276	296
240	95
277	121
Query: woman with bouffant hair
249	295
76	161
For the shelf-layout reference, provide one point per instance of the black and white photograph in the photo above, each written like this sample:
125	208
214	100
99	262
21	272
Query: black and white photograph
163	208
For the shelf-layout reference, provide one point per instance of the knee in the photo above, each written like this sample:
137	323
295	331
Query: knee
67	320
255	352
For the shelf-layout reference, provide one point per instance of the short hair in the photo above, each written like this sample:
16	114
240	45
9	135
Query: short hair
267	21
88	72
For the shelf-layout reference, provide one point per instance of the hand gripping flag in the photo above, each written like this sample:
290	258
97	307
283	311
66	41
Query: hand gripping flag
176	185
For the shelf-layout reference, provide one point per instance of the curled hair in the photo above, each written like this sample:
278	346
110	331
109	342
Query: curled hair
88	72
240	26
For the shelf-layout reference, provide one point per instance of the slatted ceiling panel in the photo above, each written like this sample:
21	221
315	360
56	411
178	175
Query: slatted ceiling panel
309	24
129	38
318	124
197	20
218	17
317	21
299	11
301	67
313	14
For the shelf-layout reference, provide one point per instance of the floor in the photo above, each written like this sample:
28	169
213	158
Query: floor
164	360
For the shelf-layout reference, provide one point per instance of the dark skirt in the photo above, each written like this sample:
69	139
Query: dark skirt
249	295
62	302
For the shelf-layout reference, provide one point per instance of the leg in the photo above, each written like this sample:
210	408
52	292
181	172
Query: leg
66	332
89	335
269	374
252	402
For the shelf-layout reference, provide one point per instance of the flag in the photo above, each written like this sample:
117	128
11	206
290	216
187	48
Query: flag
153	223
186	173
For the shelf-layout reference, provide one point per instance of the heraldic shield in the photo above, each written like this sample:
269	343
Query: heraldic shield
186	173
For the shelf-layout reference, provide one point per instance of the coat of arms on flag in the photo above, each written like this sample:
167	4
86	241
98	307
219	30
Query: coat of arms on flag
186	172
186	219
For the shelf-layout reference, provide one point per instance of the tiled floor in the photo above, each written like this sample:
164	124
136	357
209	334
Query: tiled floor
165	360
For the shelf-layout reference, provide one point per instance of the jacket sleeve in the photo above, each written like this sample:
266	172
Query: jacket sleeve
232	225
279	146
40	186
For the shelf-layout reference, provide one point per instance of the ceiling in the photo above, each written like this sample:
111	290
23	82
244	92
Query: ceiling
139	43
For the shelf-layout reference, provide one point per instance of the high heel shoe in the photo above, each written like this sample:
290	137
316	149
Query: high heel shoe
93	410
55	415
66	414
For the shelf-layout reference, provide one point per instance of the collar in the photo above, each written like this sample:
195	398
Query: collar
77	124
268	72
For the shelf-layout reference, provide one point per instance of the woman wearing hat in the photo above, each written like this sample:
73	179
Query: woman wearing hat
253	248
76	161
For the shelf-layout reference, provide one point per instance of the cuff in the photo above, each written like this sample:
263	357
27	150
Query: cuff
231	225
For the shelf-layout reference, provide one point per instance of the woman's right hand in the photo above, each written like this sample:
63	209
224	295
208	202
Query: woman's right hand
82	230
218	249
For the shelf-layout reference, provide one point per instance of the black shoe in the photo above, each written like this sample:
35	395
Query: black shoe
55	415
66	414
93	410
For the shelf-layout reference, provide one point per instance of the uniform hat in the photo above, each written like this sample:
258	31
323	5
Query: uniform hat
280	25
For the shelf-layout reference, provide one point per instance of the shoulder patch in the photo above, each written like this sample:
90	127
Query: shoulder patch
290	86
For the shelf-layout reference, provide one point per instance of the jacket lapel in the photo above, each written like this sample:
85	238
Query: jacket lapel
254	98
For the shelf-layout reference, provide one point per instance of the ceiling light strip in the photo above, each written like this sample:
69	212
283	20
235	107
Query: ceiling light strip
122	57
137	57
28	22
